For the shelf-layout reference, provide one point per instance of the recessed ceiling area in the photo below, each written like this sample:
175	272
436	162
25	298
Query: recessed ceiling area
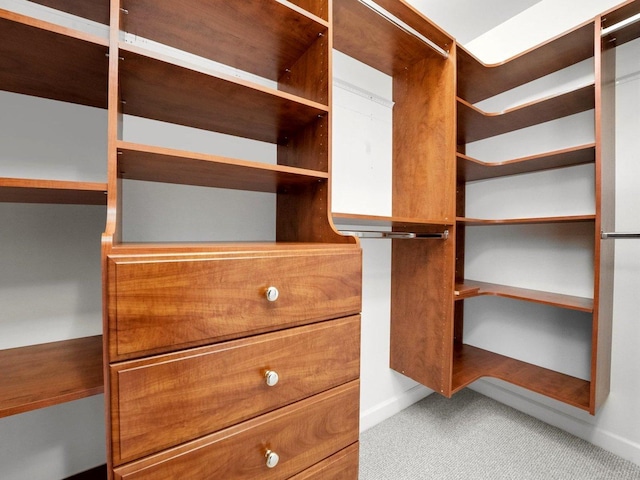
466	20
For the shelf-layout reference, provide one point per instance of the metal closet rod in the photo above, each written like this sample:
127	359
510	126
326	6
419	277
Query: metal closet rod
620	25
396	235
614	235
405	28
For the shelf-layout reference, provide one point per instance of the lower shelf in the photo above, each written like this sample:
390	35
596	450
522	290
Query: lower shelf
40	376
471	363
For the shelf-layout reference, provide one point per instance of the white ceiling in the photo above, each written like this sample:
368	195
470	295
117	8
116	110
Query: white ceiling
468	19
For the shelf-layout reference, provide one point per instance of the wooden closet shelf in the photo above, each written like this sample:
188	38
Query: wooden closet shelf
470	169
366	36
20	190
478	81
43	375
525	221
472	288
97	10
48	61
474	124
168	90
140	162
264	38
471	363
406	223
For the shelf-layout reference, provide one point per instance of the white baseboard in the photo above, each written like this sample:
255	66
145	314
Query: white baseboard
380	412
574	425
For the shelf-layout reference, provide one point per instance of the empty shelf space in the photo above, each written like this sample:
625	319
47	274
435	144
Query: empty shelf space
395	222
265	38
43	375
141	162
471	363
48	61
168	90
472	288
470	169
474	124
366	36
525	221
20	190
478	81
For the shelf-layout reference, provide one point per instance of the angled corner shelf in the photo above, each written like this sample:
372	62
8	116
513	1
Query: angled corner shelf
470	169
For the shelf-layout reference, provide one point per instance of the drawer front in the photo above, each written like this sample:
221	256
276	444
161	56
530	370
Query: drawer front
302	435
341	466
158	305
169	399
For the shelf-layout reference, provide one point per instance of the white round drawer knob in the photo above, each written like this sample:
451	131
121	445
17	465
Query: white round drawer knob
272	458
272	294
271	377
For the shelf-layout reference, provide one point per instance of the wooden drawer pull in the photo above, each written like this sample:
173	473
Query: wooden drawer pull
272	294
271	377
272	459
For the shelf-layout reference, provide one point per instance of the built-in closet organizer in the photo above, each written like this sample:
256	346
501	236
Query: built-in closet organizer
420	58
535	254
233	359
53	193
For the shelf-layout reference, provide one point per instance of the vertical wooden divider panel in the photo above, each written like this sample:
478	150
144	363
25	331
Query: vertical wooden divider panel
424	186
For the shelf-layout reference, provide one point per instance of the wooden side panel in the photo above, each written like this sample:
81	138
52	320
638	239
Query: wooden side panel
424	146
422	311
605	221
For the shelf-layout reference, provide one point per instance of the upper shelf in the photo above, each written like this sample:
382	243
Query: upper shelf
470	169
96	10
48	61
525	221
140	162
363	34
264	38
628	31
19	190
169	90
478	81
474	124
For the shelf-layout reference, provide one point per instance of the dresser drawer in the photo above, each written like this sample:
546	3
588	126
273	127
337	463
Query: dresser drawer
169	399
302	435
159	304
340	466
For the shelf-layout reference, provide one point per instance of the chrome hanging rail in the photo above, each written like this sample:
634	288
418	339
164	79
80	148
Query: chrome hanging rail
396	235
620	25
614	235
402	26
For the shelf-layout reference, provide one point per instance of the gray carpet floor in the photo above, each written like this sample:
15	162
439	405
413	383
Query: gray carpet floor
474	437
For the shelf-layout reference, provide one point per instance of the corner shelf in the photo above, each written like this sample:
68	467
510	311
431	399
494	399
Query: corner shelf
475	124
478	81
525	221
40	376
472	288
20	190
470	169
471	363
384	221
